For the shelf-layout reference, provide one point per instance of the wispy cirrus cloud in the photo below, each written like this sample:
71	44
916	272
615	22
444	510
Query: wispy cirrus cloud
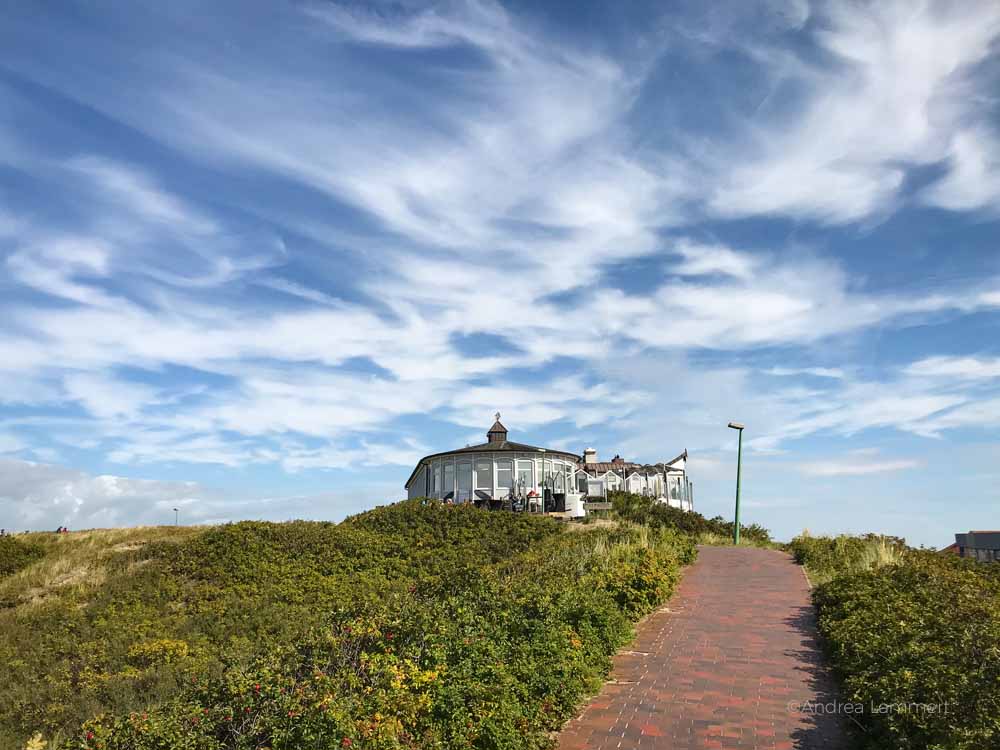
887	93
274	259
971	368
819	372
973	178
855	466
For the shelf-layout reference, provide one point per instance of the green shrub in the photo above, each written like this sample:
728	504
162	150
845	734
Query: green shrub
648	511
923	629
414	625
828	557
491	657
16	554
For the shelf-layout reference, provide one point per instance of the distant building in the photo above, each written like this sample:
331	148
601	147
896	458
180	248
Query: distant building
504	474
979	545
667	480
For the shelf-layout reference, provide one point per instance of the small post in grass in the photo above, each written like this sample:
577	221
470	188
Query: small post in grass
739	460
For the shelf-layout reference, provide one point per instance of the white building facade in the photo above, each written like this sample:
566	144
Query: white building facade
666	481
503	474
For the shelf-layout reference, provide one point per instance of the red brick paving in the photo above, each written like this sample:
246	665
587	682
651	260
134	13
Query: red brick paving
718	666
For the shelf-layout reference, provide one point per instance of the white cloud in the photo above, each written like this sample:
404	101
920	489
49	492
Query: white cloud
982	413
61	266
818	372
971	368
108	398
973	178
37	496
888	95
9	443
856	466
34	496
511	184
779	301
699	260
132	190
280	378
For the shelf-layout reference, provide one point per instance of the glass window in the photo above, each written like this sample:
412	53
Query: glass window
505	474
558	477
436	485
484	475
464	481
547	473
449	478
525	480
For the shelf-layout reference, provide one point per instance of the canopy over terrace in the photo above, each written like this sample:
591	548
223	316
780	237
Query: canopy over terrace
496	470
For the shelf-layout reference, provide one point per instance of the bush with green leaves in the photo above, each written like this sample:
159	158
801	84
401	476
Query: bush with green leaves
915	639
16	554
827	557
648	511
417	625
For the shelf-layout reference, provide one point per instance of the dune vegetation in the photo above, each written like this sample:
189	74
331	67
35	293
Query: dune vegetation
645	510
914	637
417	625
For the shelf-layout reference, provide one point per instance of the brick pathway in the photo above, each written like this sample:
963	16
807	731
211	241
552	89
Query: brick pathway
718	666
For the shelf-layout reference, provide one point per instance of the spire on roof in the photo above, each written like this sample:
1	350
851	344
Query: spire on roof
497	433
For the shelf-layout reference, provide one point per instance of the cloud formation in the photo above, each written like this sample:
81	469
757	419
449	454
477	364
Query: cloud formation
336	254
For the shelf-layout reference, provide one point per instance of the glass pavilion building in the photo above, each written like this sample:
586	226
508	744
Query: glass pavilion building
496	470
503	474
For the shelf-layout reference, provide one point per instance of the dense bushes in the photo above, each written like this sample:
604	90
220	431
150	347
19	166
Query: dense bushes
915	638
416	625
828	557
16	554
646	510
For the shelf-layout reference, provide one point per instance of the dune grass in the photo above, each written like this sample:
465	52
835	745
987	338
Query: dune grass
70	564
825	558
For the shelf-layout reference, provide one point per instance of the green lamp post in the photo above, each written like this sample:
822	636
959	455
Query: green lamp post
739	460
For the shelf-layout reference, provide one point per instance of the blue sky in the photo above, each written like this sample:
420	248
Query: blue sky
258	258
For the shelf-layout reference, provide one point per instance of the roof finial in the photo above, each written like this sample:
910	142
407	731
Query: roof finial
498	416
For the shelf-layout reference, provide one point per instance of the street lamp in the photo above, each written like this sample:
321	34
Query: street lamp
176	511
739	460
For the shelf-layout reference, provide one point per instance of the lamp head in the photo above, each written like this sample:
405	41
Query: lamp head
736	425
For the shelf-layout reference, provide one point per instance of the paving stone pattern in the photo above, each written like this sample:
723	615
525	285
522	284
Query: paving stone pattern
718	666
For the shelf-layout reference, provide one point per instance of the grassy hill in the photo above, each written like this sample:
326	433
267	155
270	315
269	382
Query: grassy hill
415	625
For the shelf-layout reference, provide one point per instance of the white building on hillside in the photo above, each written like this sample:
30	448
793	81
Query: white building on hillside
515	476
668	481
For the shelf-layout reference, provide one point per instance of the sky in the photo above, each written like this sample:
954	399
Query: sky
259	258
